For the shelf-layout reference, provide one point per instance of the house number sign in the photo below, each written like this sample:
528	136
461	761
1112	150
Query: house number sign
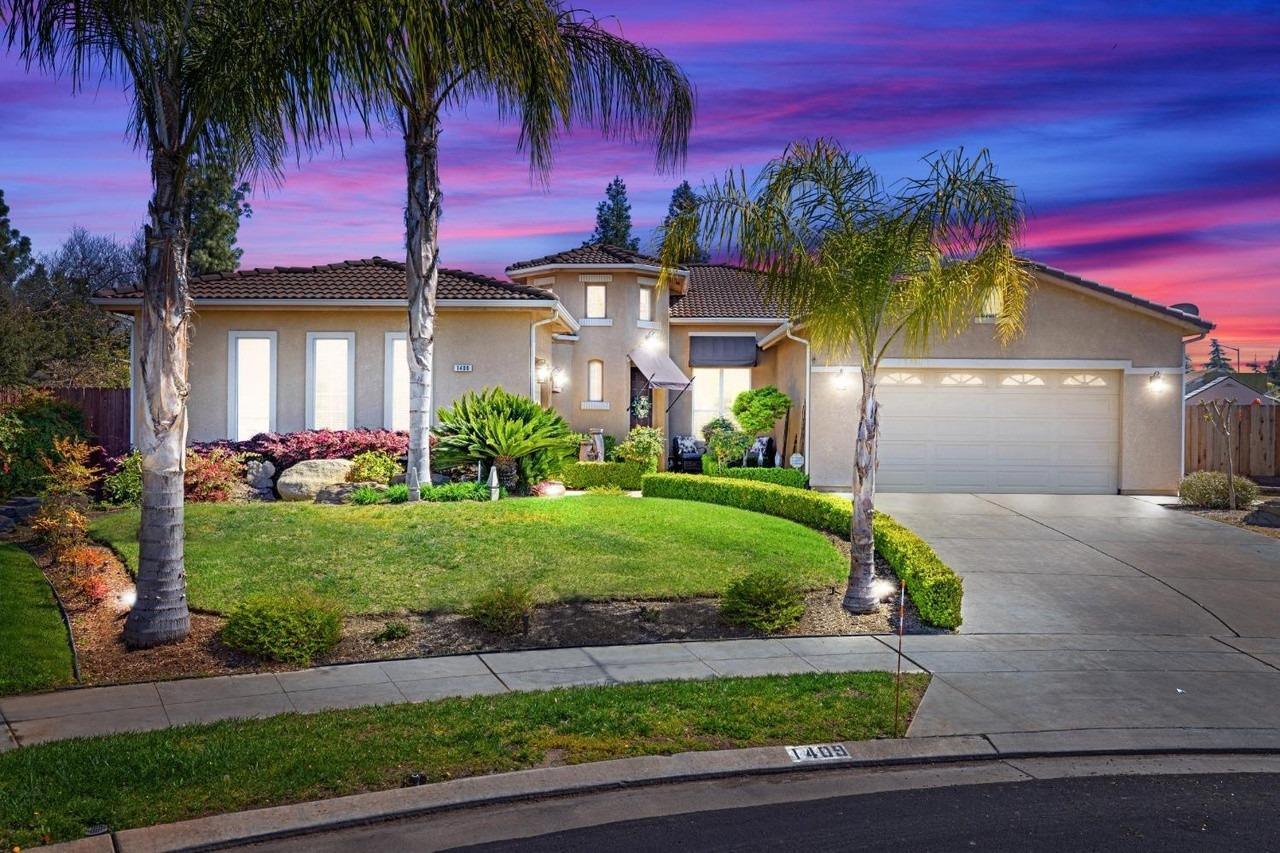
462	368
817	752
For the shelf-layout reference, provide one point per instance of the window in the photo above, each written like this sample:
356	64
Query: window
714	390
646	305
331	390
1022	379
1084	380
900	379
991	307
961	379
595	380
596	302
395	406
251	384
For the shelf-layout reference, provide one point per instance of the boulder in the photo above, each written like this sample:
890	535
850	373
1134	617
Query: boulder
258	474
340	493
20	509
304	481
1266	515
7	526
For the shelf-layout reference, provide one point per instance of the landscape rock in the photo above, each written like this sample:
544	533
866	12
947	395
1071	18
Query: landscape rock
20	509
303	481
7	525
1267	515
258	473
340	493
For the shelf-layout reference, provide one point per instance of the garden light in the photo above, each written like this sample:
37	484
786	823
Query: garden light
883	588
127	599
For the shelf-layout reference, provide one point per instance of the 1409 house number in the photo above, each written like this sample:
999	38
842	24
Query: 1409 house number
818	752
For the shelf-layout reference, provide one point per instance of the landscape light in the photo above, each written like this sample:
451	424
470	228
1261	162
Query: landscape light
128	598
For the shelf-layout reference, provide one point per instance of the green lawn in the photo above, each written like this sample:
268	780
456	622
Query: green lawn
53	791
34	651
378	559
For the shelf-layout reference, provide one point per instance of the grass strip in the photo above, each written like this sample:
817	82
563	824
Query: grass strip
34	651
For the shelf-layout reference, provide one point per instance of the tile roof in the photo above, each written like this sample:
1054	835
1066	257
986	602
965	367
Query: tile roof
722	290
600	254
1193	319
372	278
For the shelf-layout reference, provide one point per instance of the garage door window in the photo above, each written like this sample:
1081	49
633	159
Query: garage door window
900	379
1022	379
1084	380
961	380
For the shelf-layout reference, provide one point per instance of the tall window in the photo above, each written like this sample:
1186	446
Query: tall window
251	384
396	376
596	303
714	390
646	304
331	389
595	380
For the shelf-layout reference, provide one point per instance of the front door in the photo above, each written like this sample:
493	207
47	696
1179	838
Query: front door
641	400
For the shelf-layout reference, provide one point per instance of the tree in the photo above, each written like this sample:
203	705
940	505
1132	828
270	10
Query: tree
758	409
1218	361
682	198
861	267
613	218
1273	370
203	76
15	250
548	67
215	205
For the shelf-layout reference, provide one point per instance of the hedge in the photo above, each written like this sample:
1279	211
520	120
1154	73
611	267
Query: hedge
584	475
936	590
793	477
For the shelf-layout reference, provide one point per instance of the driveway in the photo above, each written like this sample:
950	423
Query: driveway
1097	611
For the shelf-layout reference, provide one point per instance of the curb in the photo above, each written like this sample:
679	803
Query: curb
221	831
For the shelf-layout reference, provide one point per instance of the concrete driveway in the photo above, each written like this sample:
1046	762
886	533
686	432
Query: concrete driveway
1097	612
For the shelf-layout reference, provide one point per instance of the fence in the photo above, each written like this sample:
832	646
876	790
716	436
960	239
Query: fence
1255	441
106	413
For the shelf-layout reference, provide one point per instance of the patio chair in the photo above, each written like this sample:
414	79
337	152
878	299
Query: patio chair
686	454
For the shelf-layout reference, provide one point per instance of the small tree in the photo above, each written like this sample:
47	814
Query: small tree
1218	361
759	409
1222	415
728	444
216	204
613	218
683	198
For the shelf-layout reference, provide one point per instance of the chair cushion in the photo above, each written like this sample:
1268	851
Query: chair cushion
687	445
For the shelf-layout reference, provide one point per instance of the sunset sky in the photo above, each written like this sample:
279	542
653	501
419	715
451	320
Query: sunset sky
1145	137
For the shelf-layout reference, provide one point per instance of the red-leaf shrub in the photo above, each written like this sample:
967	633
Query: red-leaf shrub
212	475
290	448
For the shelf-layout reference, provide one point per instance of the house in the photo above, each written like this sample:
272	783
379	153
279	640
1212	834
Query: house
1243	388
1085	401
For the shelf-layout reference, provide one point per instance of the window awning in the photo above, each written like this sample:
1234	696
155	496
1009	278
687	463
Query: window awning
723	351
658	369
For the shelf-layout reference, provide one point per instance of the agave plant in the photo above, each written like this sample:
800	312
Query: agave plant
524	441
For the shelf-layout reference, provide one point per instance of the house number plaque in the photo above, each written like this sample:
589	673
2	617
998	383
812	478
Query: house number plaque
817	752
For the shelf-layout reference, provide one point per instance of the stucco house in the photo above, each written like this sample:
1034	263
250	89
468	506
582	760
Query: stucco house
1086	401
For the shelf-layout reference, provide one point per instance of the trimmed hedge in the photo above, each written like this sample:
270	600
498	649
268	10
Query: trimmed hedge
584	475
936	590
793	477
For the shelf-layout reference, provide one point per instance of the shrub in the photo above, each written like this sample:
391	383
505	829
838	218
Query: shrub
585	475
936	590
793	477
726	445
716	425
644	445
396	494
520	438
93	587
69	469
213	475
450	492
60	523
28	425
766	599
605	490
81	559
503	609
292	629
375	466
758	409
392	631
123	486
1209	489
366	495
290	448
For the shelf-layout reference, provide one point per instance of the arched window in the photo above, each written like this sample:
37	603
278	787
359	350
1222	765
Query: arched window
1022	379
595	380
961	379
900	379
1084	380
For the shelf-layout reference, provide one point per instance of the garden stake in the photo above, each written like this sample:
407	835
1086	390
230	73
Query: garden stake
897	687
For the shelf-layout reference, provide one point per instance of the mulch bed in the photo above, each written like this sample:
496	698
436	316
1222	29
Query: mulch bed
97	627
1235	518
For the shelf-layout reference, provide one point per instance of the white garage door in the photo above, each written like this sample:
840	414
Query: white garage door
999	431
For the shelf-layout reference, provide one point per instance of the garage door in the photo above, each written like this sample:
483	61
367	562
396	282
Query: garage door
999	431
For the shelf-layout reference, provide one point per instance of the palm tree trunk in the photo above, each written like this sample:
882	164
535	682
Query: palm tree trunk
862	559
160	614
422	224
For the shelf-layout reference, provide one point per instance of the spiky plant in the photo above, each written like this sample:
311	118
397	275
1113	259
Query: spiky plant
520	438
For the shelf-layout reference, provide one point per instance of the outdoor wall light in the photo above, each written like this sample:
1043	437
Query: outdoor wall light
559	379
842	380
1156	383
652	341
543	370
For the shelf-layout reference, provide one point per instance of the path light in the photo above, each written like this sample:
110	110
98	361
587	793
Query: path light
1156	383
883	588
127	599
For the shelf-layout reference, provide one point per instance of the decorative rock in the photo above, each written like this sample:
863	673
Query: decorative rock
7	525
258	473
1267	515
304	481
340	493
20	509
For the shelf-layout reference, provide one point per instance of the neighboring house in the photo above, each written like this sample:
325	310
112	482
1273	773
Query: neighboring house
1085	401
1243	388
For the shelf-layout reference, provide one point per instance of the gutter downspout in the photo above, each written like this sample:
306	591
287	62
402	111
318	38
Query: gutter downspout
533	354
1182	409
808	399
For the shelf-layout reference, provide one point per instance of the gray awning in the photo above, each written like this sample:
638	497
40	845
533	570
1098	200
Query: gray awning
722	351
658	369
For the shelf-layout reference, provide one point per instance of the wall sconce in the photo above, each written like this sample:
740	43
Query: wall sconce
652	342
542	371
842	380
559	379
1156	383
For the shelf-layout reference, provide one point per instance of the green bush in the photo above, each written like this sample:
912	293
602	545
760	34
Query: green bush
644	445
1209	489
292	629
766	599
715	425
793	477
123	487
585	475
374	466
397	494
450	492
367	495
503	609
392	631
758	409
28	426
936	590
728	446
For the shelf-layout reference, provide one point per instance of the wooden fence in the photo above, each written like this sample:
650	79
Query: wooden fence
106	413
1255	440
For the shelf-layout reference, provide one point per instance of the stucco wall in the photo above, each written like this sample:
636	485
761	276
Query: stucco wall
680	418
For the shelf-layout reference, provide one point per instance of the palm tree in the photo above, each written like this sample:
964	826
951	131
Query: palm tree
205	77
862	266
544	65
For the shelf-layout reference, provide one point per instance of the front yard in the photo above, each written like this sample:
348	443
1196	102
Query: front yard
34	654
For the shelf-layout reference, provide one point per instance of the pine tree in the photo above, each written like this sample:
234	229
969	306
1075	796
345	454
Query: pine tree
216	205
613	218
683	198
1218	361
15	250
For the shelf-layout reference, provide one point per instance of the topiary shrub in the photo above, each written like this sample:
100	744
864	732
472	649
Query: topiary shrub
123	486
374	466
291	629
1209	489
29	423
793	477
767	599
503	609
587	475
757	410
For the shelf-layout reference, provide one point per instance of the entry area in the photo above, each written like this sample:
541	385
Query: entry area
1014	430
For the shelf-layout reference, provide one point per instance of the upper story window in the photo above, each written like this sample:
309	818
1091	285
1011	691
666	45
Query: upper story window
961	380
645	314
1022	379
1084	380
595	380
900	379
597	303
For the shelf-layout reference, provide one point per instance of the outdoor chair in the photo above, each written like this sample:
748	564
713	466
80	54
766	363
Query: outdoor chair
686	454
